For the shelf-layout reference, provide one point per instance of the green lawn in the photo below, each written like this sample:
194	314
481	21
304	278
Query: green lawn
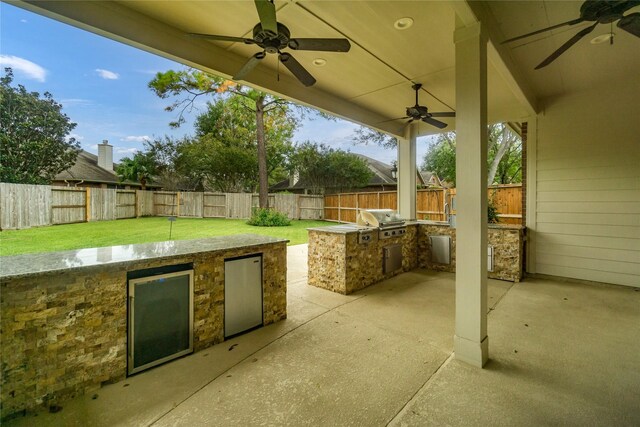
141	230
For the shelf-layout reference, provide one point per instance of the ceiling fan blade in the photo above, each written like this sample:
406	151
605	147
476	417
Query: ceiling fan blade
444	114
297	69
434	122
267	13
221	38
572	22
573	40
327	45
631	23
249	65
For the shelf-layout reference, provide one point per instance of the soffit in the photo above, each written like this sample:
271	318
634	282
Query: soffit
584	65
372	83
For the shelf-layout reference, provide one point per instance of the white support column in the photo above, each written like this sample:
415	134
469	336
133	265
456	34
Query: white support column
471	343
407	173
532	192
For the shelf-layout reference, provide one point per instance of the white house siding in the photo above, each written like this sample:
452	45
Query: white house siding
588	185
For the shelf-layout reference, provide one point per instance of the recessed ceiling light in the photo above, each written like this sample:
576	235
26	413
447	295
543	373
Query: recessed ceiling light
602	38
403	23
319	62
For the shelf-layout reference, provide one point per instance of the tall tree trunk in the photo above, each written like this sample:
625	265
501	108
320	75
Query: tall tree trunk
263	178
506	140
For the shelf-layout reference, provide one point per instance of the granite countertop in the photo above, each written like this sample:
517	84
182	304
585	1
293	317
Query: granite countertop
497	226
341	229
48	262
350	228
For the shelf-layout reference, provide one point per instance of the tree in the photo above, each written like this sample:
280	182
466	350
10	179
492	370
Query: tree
322	168
194	83
232	122
140	168
34	146
172	169
218	166
366	136
441	157
504	156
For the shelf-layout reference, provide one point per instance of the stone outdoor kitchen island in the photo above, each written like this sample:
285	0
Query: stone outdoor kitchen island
340	262
64	314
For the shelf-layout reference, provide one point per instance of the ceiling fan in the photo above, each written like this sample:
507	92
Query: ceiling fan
272	37
420	112
600	11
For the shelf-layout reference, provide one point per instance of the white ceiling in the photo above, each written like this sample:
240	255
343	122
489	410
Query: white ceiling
371	84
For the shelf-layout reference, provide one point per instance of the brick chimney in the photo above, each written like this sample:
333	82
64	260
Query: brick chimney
105	156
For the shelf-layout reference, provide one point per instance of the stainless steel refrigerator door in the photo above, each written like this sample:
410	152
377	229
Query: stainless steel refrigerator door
242	294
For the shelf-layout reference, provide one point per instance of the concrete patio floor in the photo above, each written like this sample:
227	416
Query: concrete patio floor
561	354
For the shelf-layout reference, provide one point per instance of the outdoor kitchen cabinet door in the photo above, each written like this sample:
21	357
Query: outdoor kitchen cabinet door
242	294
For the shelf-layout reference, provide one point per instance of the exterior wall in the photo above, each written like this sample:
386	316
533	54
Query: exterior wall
588	186
65	334
507	242
339	263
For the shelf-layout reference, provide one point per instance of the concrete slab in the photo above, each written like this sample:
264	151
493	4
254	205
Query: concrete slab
333	371
561	353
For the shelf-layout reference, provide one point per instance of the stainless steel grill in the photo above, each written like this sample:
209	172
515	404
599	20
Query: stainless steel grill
387	221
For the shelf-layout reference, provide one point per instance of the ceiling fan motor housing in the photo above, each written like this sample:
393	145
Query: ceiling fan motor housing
602	11
271	43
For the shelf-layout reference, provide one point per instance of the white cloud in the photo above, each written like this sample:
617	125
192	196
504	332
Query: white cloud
23	66
24	21
106	74
126	150
132	138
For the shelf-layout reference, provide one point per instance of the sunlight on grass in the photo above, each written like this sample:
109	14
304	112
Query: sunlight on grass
141	230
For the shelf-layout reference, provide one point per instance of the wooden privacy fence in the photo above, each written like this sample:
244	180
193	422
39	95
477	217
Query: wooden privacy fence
234	205
430	203
24	206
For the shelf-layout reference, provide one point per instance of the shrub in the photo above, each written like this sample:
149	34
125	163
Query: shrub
492	212
268	218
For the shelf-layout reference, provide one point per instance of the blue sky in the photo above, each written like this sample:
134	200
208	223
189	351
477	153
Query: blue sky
102	85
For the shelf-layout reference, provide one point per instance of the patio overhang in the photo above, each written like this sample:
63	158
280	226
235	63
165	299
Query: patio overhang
371	85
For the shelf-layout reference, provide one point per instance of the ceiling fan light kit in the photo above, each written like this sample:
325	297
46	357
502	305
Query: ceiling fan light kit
599	12
273	37
602	38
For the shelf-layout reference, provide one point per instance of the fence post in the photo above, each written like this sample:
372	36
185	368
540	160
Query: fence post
87	203
177	203
339	208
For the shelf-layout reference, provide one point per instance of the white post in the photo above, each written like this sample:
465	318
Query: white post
471	342
407	173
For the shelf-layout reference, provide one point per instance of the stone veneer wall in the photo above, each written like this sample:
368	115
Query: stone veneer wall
65	334
507	245
339	263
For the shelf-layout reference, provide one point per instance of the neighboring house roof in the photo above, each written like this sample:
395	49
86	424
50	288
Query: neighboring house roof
86	169
430	178
381	176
